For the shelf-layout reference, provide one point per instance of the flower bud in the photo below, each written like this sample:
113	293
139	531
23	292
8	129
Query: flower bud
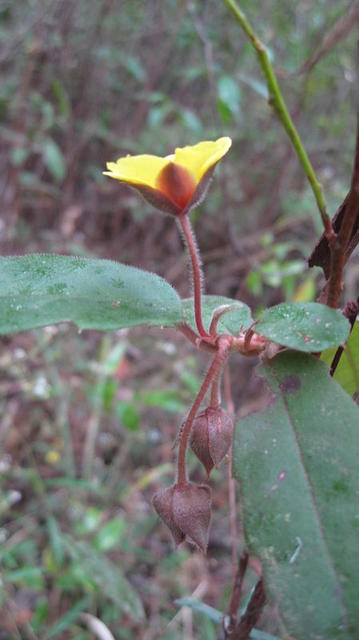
186	510
211	436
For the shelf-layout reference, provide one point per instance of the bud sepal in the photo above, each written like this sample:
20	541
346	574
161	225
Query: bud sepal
186	510
211	436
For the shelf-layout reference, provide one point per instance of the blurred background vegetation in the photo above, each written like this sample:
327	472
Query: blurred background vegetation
87	422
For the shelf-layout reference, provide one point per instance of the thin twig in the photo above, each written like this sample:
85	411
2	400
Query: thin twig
231	481
338	250
216	366
277	102
337	32
208	52
216	391
192	336
237	589
252	613
217	314
351	312
94	422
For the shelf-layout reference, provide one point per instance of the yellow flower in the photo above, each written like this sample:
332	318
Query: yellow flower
176	183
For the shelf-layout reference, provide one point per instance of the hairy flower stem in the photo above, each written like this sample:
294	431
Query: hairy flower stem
215	393
214	371
197	272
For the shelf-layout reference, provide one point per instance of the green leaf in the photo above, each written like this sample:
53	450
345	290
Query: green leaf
54	159
27	576
18	156
347	371
297	463
217	616
201	607
55	538
134	67
69	618
38	290
88	521
190	120
256	634
108	578
257	86
128	415
166	399
304	326
110	535
61	97
228	97
231	322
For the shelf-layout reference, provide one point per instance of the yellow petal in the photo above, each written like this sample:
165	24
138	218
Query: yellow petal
202	156
143	169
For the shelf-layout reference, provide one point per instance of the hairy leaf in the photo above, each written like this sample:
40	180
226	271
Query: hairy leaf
304	326
298	466
38	290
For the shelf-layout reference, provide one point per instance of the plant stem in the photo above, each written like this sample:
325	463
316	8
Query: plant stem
237	587
216	382
217	314
231	482
252	613
276	100
214	370
94	422
195	339
215	392
338	256
351	312
197	272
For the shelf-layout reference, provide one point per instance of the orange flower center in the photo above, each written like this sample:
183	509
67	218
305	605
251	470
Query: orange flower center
176	183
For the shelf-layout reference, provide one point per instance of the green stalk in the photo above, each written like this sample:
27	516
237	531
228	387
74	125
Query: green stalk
276	100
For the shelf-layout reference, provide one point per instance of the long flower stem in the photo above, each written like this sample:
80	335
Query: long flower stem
216	381
197	272
214	370
215	399
276	100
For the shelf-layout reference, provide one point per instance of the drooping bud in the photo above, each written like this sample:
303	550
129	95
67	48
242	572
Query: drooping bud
163	503
186	510
192	512
211	436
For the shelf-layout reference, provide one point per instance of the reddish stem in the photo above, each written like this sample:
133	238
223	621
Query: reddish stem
195	339
214	370
215	392
197	272
216	383
351	311
231	482
338	247
217	314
